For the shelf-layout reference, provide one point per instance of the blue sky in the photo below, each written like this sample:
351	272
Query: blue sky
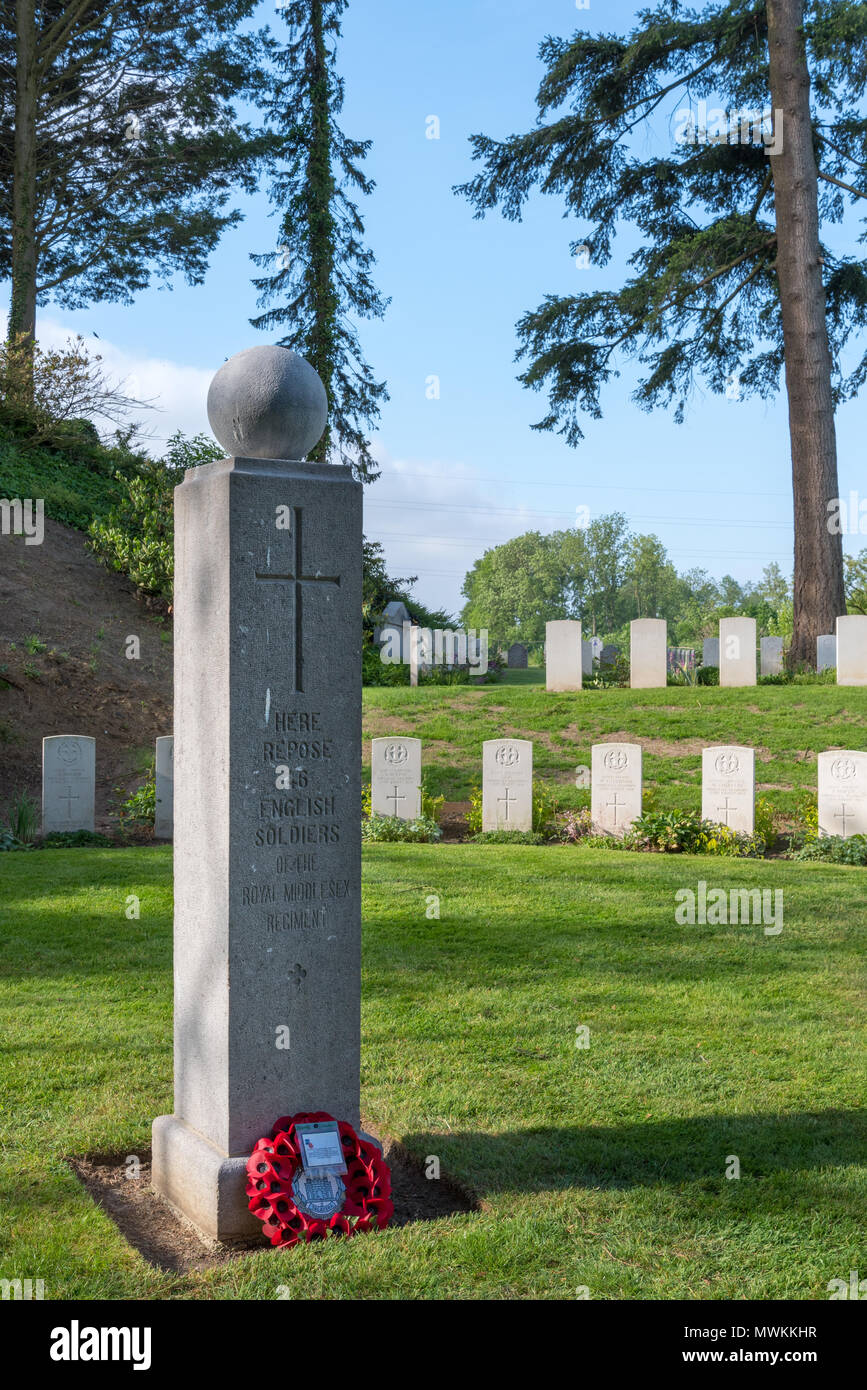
466	471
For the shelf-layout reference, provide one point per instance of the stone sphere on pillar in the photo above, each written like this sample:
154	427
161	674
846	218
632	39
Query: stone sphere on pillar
267	403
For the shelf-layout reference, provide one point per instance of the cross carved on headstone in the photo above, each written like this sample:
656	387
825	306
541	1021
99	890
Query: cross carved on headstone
68	797
725	810
616	805
508	798
298	579
843	815
395	797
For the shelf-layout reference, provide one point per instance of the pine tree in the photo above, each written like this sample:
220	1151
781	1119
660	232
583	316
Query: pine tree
119	144
732	283
323	274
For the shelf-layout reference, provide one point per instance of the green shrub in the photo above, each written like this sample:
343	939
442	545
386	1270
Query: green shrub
474	815
141	807
422	830
670	832
75	839
375	671
834	849
707	675
430	805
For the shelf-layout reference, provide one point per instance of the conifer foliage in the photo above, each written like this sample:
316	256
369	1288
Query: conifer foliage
320	278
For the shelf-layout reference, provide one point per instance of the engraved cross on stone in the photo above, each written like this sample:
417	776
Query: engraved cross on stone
298	579
843	815
616	805
396	797
508	799
69	797
725	810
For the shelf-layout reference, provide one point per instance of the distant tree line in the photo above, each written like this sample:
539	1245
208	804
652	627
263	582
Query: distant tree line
605	575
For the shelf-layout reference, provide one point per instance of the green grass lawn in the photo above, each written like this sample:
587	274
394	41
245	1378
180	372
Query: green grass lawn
787	725
601	1167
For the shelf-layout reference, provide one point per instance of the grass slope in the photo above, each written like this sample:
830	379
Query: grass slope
787	725
602	1167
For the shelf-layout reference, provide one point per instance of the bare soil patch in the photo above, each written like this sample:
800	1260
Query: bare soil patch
83	682
164	1239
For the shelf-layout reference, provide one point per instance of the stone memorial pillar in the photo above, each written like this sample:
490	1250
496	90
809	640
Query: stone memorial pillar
267	937
164	777
68	782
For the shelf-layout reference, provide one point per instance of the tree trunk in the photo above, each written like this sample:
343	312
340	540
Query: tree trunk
818	582
22	309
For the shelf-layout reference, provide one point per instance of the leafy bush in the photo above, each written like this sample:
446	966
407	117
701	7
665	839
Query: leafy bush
575	825
834	849
430	805
707	675
474	815
545	808
137	536
732	844
765	822
670	832
141	807
422	830
374	671
75	839
807	813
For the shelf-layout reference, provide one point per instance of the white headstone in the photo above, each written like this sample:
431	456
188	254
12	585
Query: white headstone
842	793
165	788
852	650
507	784
826	652
710	651
563	655
395	777
68	782
728	787
737	651
615	786
647	653
772	656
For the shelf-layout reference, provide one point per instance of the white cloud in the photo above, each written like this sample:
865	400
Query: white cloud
435	518
178	393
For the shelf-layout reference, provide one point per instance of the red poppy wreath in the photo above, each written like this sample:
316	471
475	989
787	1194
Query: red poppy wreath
293	1206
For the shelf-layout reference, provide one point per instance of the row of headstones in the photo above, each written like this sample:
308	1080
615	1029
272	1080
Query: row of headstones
69	784
733	652
728	785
